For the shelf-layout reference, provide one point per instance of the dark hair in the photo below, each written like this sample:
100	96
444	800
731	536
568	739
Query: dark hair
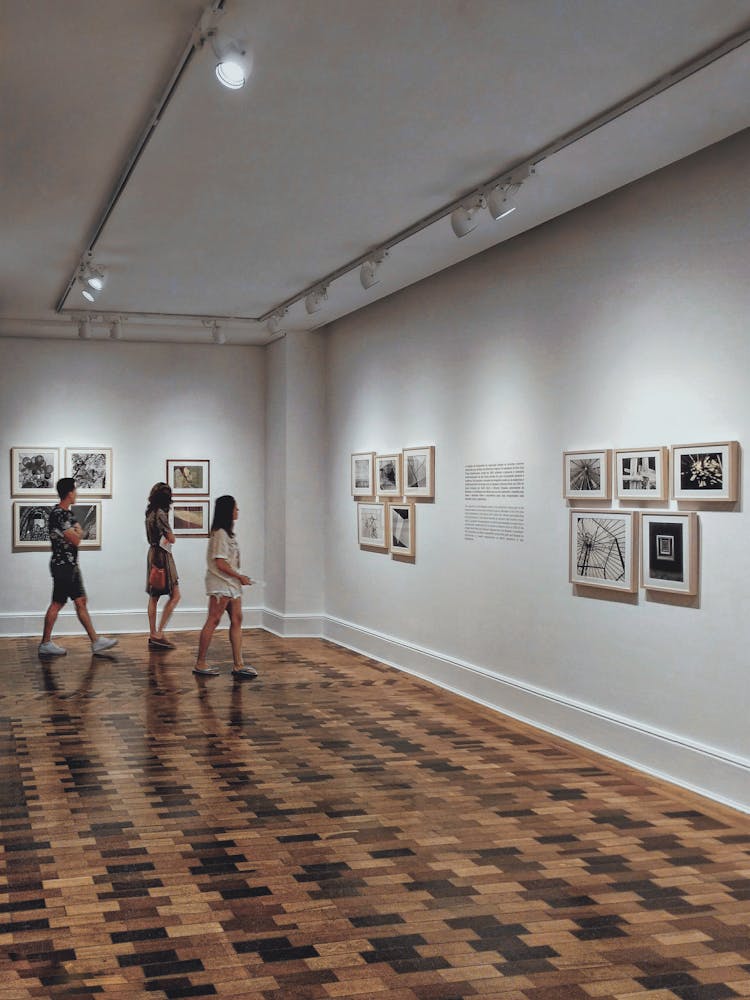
65	486
224	515
160	497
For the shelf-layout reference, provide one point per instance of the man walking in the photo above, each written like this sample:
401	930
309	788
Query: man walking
67	584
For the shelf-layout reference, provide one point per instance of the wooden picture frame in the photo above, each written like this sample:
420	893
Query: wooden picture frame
191	518
669	552
587	475
34	471
706	473
189	477
371	526
388	471
92	470
603	549
401	518
419	472
642	473
362	474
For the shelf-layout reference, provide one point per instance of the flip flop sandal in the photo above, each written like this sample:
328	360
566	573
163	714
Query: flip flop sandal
207	672
246	673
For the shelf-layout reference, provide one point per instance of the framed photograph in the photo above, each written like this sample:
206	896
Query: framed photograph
641	473
706	472
191	517
401	528
31	526
587	475
419	472
603	548
669	559
388	475
189	477
363	474
92	470
88	513
371	525
34	471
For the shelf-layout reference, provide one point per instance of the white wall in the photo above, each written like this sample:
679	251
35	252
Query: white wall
150	403
623	324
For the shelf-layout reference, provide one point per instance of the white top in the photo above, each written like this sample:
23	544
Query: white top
218	584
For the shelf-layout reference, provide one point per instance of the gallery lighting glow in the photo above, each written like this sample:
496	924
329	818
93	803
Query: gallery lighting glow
91	279
88	295
233	65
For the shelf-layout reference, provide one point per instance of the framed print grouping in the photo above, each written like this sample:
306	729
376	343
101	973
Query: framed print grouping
191	518
388	475
603	547
92	470
419	472
706	472
363	474
669	560
189	476
641	473
401	529
88	513
34	471
587	475
31	526
371	525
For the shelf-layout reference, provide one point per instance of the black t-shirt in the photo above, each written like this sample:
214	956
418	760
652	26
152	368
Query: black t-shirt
63	553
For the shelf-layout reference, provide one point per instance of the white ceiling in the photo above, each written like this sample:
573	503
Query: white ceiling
359	119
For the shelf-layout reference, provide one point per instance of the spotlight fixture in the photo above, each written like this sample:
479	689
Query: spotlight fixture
276	320
314	301
464	218
218	335
501	201
115	329
368	273
232	63
84	328
91	279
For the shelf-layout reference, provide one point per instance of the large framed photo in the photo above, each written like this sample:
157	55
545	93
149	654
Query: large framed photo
603	547
189	477
92	470
363	474
191	518
31	526
587	475
419	472
669	559
88	513
371	525
641	473
706	472
401	529
34	471
388	475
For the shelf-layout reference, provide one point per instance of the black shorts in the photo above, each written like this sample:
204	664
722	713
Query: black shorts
67	584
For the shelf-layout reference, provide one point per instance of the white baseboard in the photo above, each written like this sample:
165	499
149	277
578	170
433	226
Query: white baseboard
298	626
118	622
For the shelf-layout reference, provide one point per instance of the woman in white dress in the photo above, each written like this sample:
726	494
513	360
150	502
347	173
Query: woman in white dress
224	584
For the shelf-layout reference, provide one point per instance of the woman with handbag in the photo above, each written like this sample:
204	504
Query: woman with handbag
161	572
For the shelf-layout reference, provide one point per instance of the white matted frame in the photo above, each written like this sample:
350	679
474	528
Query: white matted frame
189	477
190	518
371	526
669	557
402	529
34	471
31	526
92	470
641	473
363	474
388	475
419	472
604	549
88	513
587	475
706	473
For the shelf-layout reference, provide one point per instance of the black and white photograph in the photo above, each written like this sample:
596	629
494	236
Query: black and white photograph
34	471
706	472
401	525
189	476
371	527
587	475
89	516
669	557
419	472
31	526
388	475
362	474
92	470
602	549
641	474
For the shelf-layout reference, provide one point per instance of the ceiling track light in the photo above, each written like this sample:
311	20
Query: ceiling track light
314	301
501	201
275	322
84	328
464	218
233	63
115	329
91	279
217	334
368	273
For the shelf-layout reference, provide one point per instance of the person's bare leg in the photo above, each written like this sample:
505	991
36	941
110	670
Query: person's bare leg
49	620
83	617
216	606
152	607
174	600
235	631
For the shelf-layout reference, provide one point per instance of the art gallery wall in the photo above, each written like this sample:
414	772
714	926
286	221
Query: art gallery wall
622	324
149	402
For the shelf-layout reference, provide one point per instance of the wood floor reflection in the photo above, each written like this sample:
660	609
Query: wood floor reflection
337	829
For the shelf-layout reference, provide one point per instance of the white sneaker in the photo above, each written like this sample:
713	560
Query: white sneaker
51	649
102	644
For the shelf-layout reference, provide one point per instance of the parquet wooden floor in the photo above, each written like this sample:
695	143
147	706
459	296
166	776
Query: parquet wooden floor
337	829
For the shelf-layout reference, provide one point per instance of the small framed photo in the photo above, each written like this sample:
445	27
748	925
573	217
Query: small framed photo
401	529
88	513
641	473
706	472
669	559
388	475
371	526
31	526
189	477
34	471
603	549
92	470
419	472
363	474
191	517
587	475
